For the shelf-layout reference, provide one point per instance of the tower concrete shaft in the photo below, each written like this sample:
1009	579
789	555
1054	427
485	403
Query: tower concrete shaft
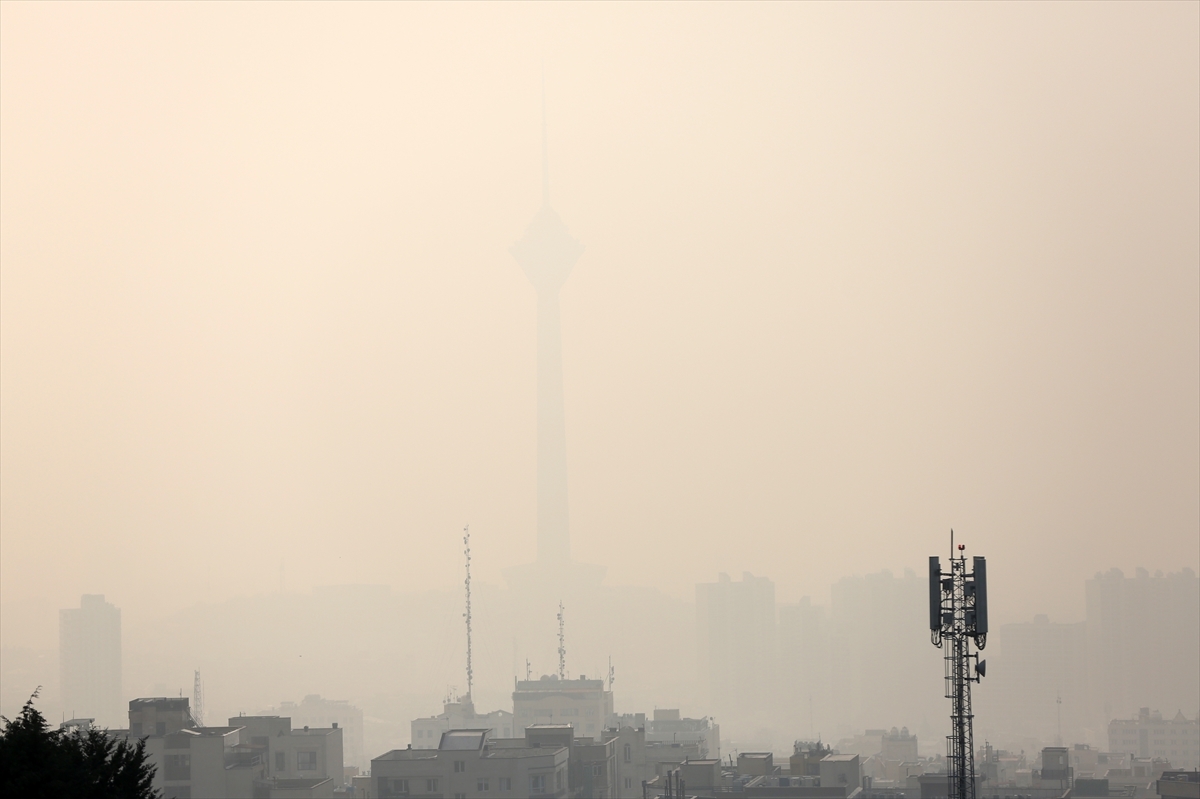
547	253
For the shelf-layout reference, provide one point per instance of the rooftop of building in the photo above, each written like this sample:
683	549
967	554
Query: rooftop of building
463	740
159	703
838	758
207	731
551	682
315	730
297	783
408	754
494	750
506	752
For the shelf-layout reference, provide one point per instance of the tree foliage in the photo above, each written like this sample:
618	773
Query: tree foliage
36	761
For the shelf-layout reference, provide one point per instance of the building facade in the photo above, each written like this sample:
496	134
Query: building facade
90	661
459	715
1150	735
735	627
468	763
584	704
253	757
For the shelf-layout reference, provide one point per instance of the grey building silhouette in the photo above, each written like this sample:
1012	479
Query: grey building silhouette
89	646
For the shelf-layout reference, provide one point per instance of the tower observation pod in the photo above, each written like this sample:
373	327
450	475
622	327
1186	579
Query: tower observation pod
958	616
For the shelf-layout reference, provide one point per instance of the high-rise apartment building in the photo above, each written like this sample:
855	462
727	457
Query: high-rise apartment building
89	646
1143	639
735	624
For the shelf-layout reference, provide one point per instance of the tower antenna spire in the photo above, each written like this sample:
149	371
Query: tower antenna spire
562	645
467	615
545	154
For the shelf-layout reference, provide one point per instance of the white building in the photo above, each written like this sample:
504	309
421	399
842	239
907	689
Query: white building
469	763
316	712
582	703
459	715
1150	735
255	757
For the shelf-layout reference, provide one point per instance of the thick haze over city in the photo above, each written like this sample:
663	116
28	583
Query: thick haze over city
852	275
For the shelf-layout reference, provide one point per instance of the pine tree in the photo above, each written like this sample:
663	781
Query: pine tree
36	761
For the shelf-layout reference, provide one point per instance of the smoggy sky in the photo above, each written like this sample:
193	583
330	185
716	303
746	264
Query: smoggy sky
854	274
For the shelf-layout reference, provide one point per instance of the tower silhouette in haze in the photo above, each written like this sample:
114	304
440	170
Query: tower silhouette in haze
547	253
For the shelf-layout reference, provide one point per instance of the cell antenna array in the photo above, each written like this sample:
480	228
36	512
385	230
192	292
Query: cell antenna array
198	700
957	616
562	645
467	615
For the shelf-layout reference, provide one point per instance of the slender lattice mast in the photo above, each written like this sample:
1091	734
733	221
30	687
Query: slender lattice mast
958	615
562	645
467	615
198	700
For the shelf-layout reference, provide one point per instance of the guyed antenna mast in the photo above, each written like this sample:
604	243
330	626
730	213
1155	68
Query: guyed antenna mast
467	615
562	645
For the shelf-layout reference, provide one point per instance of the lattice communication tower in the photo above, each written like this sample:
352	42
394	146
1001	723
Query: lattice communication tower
958	616
562	645
198	700
467	614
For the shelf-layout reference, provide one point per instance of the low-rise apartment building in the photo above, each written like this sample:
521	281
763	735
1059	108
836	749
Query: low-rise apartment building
584	704
469	763
459	714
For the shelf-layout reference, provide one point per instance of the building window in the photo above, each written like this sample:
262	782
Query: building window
177	767
460	766
431	786
400	787
481	785
595	771
537	783
628	783
505	783
306	761
628	755
281	761
558	780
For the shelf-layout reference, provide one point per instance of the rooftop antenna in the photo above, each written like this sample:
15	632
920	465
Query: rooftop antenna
528	671
612	675
467	615
198	700
562	645
1058	701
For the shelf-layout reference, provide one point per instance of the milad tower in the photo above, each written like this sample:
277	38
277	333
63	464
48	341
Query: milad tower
547	253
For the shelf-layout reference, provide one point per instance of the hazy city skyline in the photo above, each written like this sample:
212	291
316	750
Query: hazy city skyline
854	275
